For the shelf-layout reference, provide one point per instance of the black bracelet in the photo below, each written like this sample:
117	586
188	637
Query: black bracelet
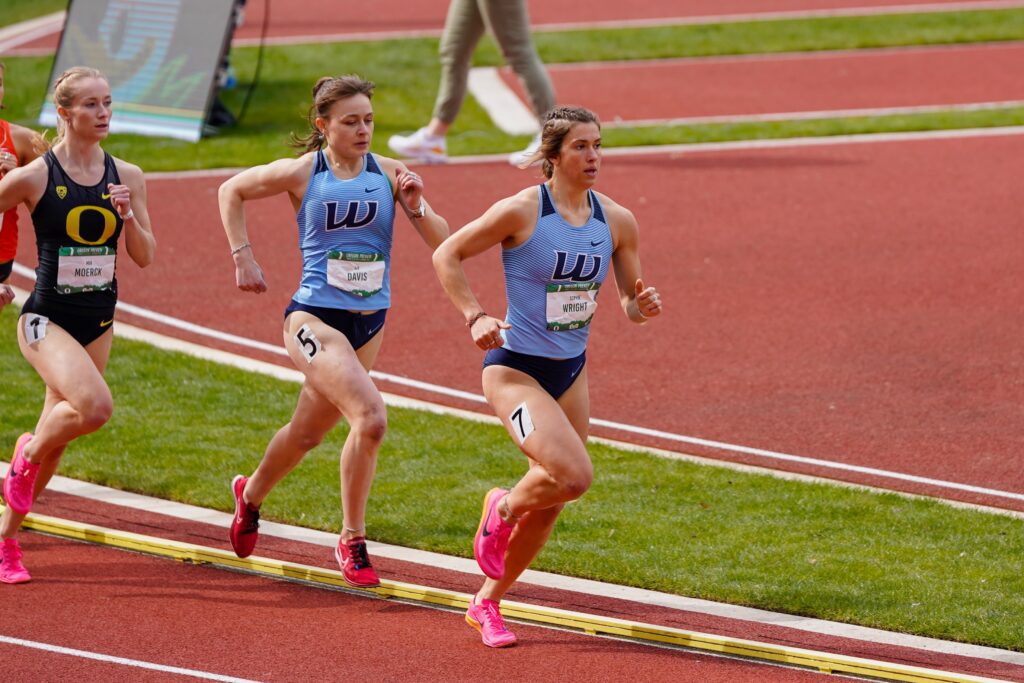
476	317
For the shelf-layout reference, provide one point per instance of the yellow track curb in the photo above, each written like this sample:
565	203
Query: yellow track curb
587	623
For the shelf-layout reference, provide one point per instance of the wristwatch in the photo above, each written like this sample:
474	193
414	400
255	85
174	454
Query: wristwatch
421	211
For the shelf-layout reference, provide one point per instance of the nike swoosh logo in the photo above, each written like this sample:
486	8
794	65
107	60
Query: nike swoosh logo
487	519
374	330
104	196
369	189
594	244
106	323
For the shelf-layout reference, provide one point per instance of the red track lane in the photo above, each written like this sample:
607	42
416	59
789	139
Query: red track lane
324	18
819	81
858	303
452	628
318	17
160	611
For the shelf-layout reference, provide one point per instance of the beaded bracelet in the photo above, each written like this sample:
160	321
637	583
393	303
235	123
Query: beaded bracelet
240	247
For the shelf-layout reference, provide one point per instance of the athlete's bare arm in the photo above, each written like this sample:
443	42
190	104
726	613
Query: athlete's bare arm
23	185
29	144
509	222
129	200
409	191
639	301
283	175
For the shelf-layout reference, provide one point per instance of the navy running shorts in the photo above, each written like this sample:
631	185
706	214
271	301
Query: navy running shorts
555	375
358	328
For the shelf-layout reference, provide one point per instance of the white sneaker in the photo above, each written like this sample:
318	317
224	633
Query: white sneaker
518	158
432	149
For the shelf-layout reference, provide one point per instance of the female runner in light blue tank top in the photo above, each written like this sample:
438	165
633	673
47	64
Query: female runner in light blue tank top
557	241
345	200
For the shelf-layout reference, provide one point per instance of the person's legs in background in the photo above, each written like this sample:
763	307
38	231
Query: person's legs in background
463	29
509	23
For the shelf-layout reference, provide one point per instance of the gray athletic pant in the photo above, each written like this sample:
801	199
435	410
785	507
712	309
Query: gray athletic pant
508	22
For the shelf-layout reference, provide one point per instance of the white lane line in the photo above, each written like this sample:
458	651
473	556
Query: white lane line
790	56
909	8
291	375
123	661
813	462
26	31
784	143
166	343
810	115
509	113
618	426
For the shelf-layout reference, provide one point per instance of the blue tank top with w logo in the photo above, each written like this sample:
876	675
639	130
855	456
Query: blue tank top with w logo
345	234
552	281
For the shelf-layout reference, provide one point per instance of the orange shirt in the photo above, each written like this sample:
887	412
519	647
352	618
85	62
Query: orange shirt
9	225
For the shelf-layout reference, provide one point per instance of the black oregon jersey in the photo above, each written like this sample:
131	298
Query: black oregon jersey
77	229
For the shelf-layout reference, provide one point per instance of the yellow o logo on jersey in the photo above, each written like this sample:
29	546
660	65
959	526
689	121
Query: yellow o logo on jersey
74	224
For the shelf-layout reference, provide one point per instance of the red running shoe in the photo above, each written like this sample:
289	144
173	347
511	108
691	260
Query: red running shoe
245	527
355	563
21	478
492	536
485	616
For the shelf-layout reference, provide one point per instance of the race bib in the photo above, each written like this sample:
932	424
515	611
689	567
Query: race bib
85	269
358	274
571	306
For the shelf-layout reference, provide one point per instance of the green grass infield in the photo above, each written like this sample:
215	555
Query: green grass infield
23	10
183	427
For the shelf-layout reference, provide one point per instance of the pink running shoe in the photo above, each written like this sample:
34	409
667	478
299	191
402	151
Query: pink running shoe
492	536
11	568
355	563
245	527
485	616
21	478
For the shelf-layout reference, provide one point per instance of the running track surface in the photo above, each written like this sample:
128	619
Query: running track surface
160	611
191	613
290	18
858	303
319	17
809	81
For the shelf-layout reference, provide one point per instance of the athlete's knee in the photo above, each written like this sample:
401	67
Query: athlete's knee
575	488
574	480
95	411
371	423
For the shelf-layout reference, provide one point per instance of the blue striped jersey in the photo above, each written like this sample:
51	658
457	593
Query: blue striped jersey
345	234
552	281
